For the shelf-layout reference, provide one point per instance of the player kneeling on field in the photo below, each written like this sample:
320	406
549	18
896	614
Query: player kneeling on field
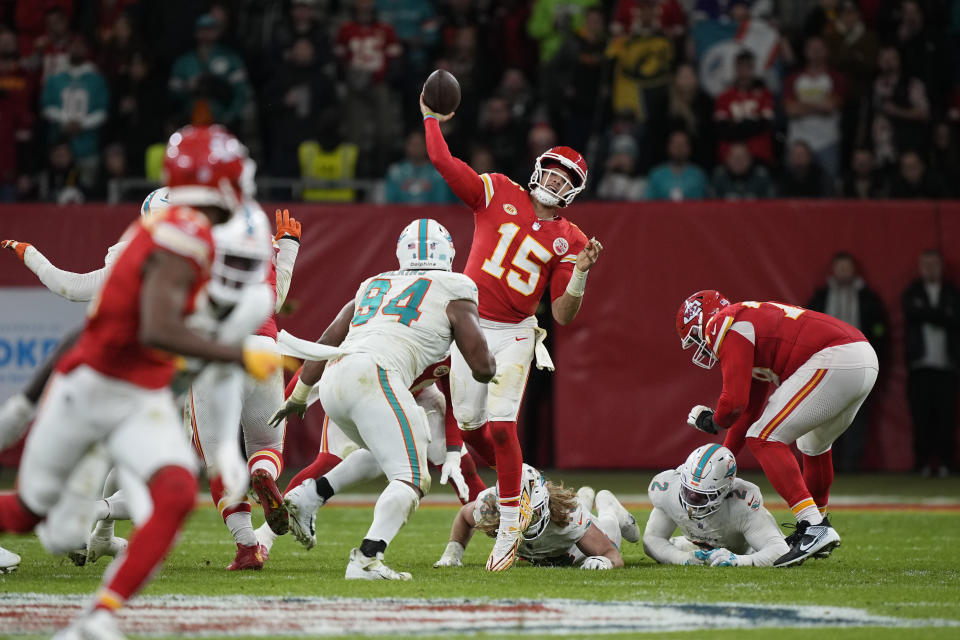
721	517
562	530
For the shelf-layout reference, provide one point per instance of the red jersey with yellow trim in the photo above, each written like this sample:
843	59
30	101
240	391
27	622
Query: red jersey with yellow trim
514	253
110	342
767	341
269	327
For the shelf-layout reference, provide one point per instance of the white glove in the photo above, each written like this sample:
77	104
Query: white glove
701	418
232	469
452	556
597	563
723	558
696	557
451	470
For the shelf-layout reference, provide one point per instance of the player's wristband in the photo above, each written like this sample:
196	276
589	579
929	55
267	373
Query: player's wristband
433	115
578	282
300	392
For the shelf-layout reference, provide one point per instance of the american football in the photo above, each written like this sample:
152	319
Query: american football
441	92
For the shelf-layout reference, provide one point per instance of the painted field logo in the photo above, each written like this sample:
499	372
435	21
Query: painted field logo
560	246
197	616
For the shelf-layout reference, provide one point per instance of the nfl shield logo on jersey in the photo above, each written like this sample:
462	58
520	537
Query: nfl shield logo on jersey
560	246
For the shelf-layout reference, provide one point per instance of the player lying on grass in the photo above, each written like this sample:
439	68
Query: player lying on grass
562	531
721	517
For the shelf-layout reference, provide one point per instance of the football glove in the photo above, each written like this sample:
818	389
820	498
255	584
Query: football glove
260	363
289	408
723	558
451	470
597	563
701	418
694	558
452	556
287	227
18	248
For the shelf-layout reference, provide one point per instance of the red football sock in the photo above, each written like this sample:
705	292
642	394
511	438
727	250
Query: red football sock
782	471
818	476
14	517
469	470
173	490
482	443
323	463
509	461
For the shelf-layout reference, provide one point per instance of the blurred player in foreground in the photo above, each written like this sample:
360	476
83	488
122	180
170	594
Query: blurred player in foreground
822	368
721	517
112	387
520	245
562	531
399	323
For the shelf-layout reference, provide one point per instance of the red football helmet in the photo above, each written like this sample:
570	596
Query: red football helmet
692	319
570	160
203	167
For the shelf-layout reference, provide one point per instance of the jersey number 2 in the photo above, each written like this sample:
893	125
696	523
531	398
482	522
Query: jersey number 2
494	264
405	306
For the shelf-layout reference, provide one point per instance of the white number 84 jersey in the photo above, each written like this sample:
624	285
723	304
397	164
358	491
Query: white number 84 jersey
400	318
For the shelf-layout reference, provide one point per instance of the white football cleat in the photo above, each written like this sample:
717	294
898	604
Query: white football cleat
9	561
97	625
302	503
361	567
265	536
608	503
99	547
504	552
586	496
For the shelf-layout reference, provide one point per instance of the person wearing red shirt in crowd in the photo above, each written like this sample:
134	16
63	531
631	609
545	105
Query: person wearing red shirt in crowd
16	125
821	370
112	388
520	245
744	113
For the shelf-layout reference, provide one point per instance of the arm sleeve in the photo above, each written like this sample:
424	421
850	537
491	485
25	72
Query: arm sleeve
462	179
560	276
286	257
76	287
737	366
763	535
737	434
656	539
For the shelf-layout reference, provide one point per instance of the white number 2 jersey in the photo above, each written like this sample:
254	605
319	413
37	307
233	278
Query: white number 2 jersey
400	317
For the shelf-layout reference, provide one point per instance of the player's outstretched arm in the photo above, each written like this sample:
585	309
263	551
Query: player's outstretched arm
76	287
567	305
762	533
465	321
736	364
600	551
460	534
288	241
656	541
463	180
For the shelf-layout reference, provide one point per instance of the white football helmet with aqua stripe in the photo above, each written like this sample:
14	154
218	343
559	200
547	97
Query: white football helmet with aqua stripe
425	244
706	478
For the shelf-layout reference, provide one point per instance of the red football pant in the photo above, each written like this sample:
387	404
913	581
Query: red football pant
320	466
509	459
781	469
818	476
14	517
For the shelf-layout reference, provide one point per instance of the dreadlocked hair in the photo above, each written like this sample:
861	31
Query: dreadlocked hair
563	502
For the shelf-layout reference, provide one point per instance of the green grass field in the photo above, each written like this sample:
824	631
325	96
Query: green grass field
895	562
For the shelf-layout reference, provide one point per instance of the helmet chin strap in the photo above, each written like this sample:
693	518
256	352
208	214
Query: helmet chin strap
544	197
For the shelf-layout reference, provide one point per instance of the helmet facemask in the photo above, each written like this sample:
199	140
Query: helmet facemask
552	192
706	478
704	355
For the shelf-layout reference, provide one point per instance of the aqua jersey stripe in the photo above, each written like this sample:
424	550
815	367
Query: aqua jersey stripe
703	462
404	424
423	238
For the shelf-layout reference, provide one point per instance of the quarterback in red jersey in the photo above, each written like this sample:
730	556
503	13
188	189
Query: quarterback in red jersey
112	387
520	245
821	369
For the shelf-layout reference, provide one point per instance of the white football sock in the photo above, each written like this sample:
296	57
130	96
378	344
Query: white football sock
811	514
610	526
509	517
241	527
394	506
117	507
15	414
266	536
358	466
111	485
104	529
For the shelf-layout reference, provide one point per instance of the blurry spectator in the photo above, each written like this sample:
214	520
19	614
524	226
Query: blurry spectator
114	168
812	100
138	109
99	19
209	84
678	179
740	178
864	180
847	298
902	101
59	181
914	181
368	51
481	160
552	20
298	93
642	61
922	50
515	89
414	180
417	27
619	181
502	135
47	54
540	139
114	55
744	112
575	83
30	19
931	310
802	177
16	116
462	58
670	14
821	18
945	157
304	21
690	109
329	157
75	104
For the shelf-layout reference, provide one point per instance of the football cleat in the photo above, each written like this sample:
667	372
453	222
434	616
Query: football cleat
607	502
9	561
265	536
249	557
96	625
362	567
504	552
272	502
586	496
302	503
814	540
98	547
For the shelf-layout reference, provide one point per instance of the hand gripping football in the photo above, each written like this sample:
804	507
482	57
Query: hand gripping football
441	92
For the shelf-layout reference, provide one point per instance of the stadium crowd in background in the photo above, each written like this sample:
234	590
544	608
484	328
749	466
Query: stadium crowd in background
807	98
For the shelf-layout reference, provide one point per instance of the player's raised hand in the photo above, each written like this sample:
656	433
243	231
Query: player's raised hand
588	257
287	226
289	408
701	418
427	111
18	248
